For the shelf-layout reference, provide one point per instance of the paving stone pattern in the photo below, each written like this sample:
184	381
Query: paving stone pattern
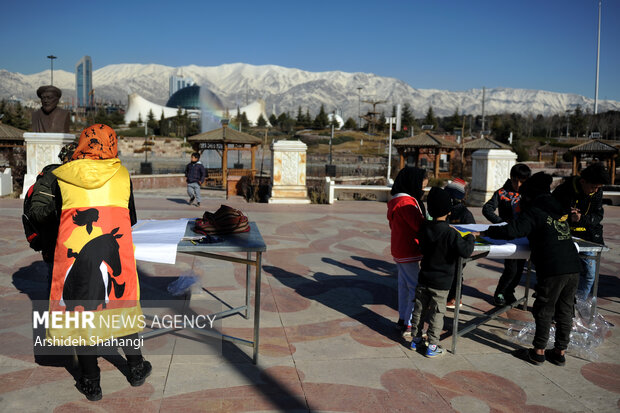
328	337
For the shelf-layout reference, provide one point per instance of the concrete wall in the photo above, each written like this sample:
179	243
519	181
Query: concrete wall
158	181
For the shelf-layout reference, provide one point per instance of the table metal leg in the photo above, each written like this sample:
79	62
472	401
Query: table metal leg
247	286
595	285
257	306
457	302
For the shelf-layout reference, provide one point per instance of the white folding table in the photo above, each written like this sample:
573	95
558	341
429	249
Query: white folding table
517	249
250	242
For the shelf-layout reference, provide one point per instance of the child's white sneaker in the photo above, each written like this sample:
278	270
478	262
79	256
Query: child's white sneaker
434	350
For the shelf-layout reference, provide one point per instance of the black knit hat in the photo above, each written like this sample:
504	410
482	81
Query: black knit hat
595	174
438	202
537	184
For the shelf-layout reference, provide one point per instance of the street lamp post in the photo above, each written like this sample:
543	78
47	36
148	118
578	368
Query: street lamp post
331	137
598	50
389	168
52	57
359	107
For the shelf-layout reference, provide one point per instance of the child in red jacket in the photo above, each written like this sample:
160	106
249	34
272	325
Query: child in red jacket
405	214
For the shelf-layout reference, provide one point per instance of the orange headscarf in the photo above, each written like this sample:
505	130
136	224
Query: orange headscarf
98	141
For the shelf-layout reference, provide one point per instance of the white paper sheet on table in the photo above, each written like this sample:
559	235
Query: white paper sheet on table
157	240
518	248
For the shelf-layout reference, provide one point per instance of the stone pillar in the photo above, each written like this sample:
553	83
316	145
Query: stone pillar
490	170
41	150
288	173
437	156
6	182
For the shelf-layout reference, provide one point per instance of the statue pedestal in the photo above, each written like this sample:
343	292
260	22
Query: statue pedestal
490	170
41	150
288	173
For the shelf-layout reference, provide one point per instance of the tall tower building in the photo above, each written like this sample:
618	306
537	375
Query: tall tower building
84	81
178	83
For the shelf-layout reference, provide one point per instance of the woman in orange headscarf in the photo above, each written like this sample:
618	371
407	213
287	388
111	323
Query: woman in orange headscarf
94	263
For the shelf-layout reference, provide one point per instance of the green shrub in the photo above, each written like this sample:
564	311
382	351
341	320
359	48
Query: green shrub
567	157
439	182
342	139
316	192
522	153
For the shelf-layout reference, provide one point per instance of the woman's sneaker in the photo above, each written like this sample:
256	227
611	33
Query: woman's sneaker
139	373
415	343
554	357
89	388
406	332
434	350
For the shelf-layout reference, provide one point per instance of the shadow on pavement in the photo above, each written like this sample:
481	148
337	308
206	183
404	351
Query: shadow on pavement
353	293
33	281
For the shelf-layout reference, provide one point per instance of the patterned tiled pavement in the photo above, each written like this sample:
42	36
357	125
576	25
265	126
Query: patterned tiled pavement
328	341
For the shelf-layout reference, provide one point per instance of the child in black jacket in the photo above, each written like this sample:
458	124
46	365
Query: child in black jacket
459	214
441	246
584	193
544	221
507	201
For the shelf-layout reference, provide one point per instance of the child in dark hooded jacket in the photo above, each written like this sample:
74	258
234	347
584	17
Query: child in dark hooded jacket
441	247
543	220
507	201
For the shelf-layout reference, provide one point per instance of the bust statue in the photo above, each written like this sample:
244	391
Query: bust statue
50	118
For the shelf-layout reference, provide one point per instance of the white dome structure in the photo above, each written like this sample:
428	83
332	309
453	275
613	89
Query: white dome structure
140	107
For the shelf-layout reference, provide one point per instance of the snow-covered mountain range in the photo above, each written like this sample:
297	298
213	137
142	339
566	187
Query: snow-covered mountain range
287	89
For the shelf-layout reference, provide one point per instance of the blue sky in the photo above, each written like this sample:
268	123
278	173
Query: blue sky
432	44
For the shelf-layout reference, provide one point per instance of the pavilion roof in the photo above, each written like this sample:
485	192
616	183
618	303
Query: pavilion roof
226	135
485	143
425	140
11	133
546	147
593	146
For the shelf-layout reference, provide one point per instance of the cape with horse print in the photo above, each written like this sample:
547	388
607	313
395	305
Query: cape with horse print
83	286
94	263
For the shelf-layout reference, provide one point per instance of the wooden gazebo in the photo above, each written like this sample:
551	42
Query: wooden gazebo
472	145
13	152
224	140
484	143
10	136
547	149
424	144
601	150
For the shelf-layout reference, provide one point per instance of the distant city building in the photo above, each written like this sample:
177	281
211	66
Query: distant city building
84	81
179	82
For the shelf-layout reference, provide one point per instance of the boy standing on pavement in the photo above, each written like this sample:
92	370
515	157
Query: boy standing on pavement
194	175
441	246
544	222
584	194
507	200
